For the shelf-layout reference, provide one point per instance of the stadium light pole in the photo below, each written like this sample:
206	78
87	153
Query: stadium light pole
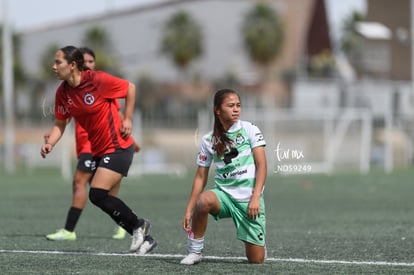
9	161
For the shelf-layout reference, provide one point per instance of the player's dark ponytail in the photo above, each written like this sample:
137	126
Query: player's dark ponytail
220	140
73	54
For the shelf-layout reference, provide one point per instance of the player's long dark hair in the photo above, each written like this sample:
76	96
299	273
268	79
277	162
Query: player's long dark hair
220	140
86	50
73	54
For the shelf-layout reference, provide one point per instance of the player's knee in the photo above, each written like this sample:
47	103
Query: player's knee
79	183
255	259
96	196
256	256
78	187
204	203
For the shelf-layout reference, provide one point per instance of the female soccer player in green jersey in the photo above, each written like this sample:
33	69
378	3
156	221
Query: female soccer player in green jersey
237	149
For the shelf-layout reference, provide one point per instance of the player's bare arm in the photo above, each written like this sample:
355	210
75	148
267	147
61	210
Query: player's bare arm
126	127
261	173
54	136
199	182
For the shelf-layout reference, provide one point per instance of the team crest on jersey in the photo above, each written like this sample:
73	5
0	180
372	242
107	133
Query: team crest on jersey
239	139
89	99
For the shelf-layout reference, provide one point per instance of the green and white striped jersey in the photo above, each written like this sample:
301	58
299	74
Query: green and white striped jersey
236	170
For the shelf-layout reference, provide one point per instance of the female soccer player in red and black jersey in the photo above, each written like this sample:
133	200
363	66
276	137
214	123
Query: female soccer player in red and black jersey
90	98
83	173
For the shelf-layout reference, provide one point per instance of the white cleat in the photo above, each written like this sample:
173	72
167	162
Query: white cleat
192	258
147	246
138	236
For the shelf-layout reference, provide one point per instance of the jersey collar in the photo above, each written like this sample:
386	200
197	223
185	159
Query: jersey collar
235	127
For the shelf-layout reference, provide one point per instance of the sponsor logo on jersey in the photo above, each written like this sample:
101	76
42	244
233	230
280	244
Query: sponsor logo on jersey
88	99
88	163
235	173
259	137
106	159
202	157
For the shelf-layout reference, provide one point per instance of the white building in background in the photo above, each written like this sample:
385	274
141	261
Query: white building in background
135	34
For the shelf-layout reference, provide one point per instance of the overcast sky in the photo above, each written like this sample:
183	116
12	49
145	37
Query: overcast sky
25	14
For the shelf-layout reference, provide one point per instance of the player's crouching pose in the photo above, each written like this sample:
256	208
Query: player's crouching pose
88	96
237	149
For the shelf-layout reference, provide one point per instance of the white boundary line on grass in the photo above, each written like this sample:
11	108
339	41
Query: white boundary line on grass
373	263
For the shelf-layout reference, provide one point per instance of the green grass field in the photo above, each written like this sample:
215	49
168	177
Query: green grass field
316	224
